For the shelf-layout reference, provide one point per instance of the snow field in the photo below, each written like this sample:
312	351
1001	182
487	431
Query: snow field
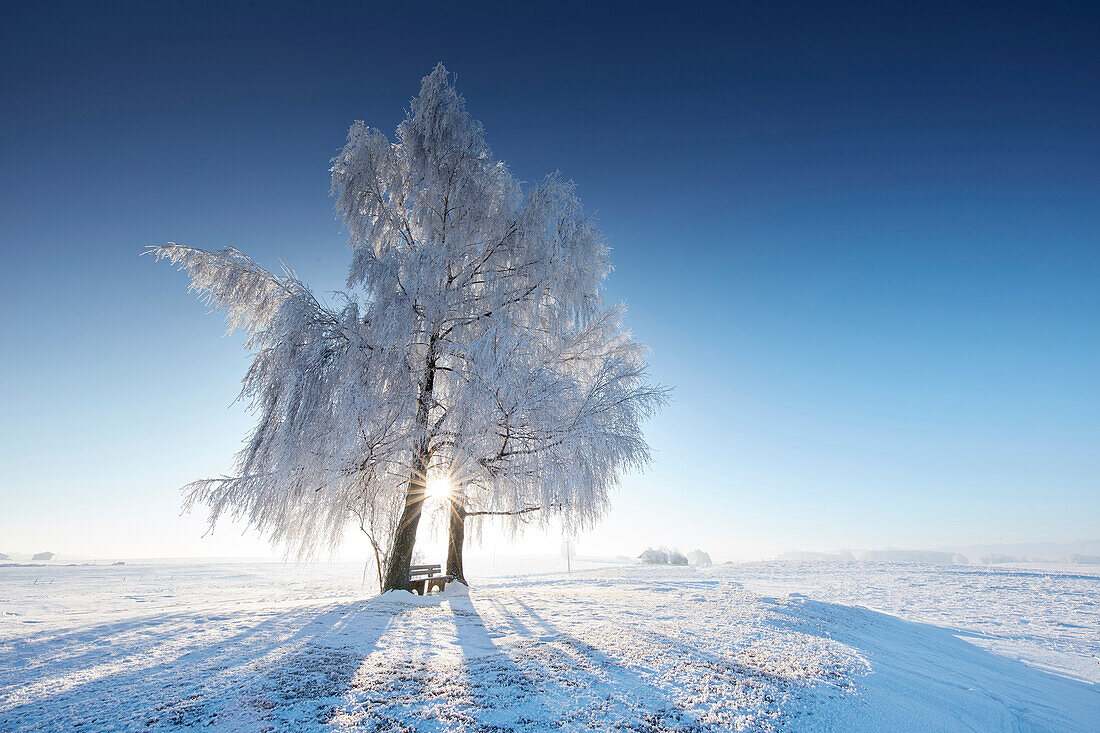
1047	616
270	648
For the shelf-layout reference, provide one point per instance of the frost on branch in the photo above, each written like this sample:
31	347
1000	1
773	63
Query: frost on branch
306	466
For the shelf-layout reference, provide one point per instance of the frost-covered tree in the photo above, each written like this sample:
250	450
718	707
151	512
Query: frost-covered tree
700	559
472	341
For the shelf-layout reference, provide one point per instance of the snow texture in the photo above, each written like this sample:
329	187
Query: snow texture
270	647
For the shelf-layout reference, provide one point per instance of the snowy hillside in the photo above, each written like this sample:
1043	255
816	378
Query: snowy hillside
267	647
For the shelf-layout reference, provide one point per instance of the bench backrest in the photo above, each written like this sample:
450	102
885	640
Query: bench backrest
425	570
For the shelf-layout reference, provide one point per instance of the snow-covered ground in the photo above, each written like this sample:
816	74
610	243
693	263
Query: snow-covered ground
271	647
1048	616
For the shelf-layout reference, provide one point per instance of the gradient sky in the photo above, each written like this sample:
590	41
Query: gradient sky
863	243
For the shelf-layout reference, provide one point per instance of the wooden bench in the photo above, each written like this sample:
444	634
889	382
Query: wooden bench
422	578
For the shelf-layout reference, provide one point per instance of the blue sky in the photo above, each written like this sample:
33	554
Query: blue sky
861	241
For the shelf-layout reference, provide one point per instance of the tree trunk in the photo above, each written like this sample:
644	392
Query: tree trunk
397	566
456	537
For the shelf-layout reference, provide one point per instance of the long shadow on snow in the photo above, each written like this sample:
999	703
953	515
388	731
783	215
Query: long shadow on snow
309	686
110	642
545	681
604	691
505	696
192	687
446	674
925	677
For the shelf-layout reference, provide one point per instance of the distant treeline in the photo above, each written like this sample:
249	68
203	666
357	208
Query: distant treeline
665	556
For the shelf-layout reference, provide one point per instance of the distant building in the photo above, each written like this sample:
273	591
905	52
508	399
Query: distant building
654	557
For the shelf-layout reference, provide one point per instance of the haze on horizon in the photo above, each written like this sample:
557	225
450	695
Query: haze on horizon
863	247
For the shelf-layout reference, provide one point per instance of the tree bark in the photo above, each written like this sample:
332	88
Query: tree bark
456	537
404	539
397	566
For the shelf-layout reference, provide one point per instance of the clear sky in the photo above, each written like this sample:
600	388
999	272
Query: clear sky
863	242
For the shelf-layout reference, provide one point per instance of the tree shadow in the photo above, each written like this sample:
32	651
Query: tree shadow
588	688
503	693
78	651
472	664
925	677
243	675
516	625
